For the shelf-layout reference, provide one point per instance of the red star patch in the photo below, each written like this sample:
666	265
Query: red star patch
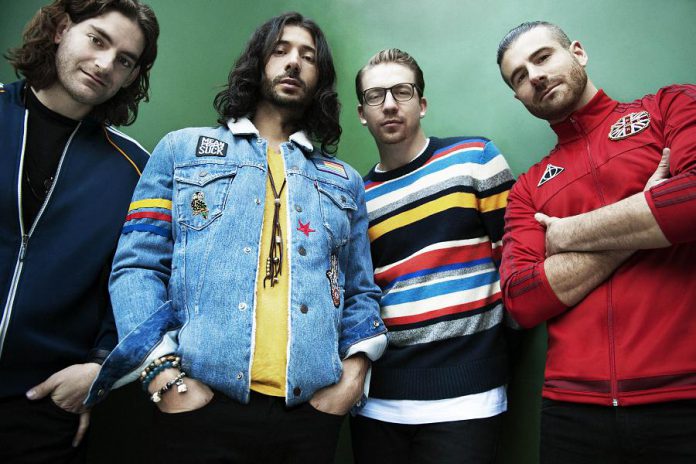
304	228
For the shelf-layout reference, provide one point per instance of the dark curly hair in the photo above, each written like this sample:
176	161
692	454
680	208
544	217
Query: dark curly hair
243	91
36	58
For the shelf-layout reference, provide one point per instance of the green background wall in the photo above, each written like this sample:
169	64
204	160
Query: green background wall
634	47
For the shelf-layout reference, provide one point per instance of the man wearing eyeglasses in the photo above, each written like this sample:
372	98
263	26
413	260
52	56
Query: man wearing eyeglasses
435	209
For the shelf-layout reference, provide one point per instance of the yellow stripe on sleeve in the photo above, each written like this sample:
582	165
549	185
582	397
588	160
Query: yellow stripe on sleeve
151	203
494	202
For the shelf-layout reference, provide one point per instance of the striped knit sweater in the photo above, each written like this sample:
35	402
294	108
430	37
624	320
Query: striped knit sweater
435	230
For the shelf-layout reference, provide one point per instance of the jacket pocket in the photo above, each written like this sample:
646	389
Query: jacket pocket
201	193
337	208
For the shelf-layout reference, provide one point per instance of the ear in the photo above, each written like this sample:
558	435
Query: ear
578	52
64	24
361	116
423	107
135	72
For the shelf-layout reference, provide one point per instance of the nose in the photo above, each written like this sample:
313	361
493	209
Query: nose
293	61
389	103
537	75
104	62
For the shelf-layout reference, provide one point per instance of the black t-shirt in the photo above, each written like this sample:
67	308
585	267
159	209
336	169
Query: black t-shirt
47	134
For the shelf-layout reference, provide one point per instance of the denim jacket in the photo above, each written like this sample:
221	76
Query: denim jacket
184	275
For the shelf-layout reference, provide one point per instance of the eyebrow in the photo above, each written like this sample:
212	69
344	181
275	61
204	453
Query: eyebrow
531	57
108	38
302	47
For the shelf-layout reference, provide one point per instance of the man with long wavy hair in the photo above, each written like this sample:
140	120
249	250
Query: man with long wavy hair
243	275
66	176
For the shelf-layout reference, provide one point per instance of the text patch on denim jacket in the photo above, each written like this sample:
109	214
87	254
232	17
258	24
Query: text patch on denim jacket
208	146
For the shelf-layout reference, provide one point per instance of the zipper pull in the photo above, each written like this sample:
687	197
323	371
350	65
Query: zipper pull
23	248
614	402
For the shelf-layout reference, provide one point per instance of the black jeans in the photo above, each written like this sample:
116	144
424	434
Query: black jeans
263	431
38	432
663	433
469	441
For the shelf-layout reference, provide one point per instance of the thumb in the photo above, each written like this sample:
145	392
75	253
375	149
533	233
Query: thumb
542	219
663	167
662	171
81	429
41	390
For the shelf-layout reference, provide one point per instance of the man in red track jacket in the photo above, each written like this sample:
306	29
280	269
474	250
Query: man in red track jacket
599	243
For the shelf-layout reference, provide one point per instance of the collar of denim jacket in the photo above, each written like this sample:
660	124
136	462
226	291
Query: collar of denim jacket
244	126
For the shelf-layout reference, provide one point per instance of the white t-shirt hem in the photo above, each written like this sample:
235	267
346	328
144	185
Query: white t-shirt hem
476	406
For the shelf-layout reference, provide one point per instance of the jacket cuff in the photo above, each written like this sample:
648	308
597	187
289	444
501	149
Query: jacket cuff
673	203
97	355
529	298
373	347
168	345
365	330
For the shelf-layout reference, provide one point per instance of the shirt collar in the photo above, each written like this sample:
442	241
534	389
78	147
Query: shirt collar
244	126
586	118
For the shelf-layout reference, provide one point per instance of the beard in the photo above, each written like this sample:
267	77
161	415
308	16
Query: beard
298	101
558	107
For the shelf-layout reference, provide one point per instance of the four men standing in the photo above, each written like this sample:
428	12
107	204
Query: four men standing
243	283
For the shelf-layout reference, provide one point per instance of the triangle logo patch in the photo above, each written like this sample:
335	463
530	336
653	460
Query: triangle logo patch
550	172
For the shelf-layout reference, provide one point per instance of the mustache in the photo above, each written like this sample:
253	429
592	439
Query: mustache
539	91
291	74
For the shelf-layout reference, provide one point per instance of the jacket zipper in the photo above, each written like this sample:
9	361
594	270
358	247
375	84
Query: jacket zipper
7	312
610	312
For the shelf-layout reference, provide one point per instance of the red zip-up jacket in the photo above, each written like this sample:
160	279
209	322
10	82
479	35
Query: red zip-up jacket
632	340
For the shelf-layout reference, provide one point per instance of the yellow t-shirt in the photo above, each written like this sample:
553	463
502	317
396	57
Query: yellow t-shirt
270	349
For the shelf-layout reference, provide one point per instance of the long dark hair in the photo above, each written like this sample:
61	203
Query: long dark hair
36	58
243	90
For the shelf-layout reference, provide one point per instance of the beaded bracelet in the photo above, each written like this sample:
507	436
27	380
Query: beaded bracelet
157	366
180	387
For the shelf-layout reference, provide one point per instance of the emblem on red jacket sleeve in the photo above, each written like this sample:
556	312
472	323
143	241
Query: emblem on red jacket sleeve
629	125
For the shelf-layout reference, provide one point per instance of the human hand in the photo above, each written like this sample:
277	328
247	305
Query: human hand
196	396
554	233
338	398
661	174
68	389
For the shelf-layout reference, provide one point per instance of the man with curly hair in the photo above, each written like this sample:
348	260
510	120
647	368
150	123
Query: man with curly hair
243	278
66	176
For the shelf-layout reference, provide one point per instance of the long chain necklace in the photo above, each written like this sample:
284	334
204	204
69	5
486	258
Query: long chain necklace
274	261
